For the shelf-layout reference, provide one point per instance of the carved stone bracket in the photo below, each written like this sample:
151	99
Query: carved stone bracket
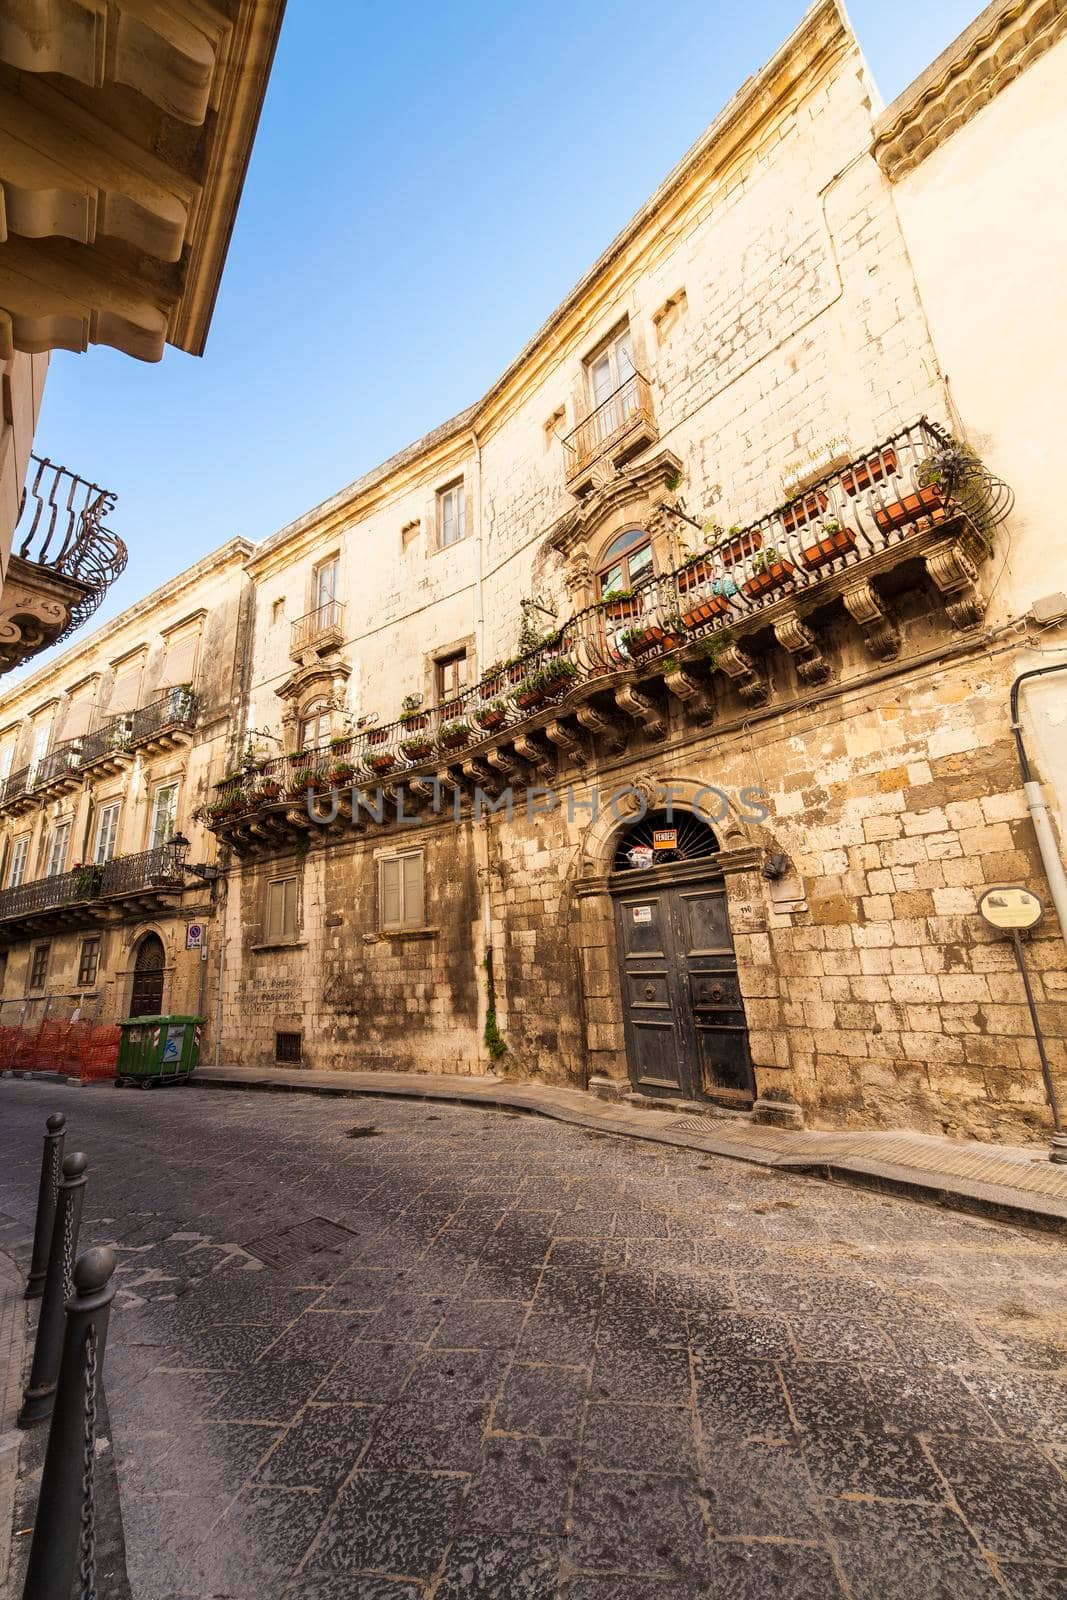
641	709
796	637
956	578
421	788
607	729
480	775
504	763
694	693
534	754
750	682
864	605
564	739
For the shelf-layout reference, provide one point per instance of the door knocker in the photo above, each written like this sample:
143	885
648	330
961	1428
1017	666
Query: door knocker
650	991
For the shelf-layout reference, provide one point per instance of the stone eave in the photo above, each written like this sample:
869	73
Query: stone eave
1002	42
80	656
820	38
237	112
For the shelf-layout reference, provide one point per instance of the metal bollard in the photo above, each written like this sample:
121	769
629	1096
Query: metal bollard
39	1393
64	1530
51	1162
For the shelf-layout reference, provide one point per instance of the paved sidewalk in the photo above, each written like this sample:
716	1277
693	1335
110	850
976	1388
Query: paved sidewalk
1016	1182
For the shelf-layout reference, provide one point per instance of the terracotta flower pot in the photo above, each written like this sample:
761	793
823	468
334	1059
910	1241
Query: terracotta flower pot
622	610
855	479
740	547
526	699
382	763
696	572
492	719
826	547
377	735
774	576
417	749
716	605
927	502
808	507
650	638
455	741
491	687
412	724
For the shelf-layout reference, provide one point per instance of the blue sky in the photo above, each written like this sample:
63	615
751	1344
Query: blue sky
427	183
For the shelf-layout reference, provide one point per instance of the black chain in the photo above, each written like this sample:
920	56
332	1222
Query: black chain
68	1252
56	1173
87	1545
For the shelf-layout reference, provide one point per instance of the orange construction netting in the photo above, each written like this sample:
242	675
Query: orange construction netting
76	1049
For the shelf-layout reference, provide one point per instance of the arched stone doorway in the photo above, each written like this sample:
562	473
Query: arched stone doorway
684	1020
146	999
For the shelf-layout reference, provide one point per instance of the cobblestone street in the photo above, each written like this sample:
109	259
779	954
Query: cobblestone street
534	1363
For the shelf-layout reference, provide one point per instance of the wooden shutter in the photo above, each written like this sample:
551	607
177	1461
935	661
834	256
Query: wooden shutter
281	909
179	663
411	868
390	892
79	715
126	690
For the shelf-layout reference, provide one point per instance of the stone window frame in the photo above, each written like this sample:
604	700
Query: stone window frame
404	926
286	931
89	953
441	494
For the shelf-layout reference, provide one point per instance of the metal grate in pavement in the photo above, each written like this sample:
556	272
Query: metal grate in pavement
301	1243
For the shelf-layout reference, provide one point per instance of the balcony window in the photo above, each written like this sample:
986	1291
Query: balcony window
609	368
164	815
41	735
88	963
315	725
451	514
625	563
20	852
107	832
450	676
324	583
57	850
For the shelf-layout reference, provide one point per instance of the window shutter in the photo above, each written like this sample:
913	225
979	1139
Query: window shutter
390	887
7	756
79	715
289	908
179	663
125	691
412	896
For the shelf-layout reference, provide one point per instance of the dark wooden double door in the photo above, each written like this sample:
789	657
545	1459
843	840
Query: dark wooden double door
686	1033
146	1000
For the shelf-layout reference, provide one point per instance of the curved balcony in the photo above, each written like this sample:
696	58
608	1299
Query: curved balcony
616	429
63	561
915	508
94	892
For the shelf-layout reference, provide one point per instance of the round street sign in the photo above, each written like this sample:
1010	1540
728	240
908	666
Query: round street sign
1009	906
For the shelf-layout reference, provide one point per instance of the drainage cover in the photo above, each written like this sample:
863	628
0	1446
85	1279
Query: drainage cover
316	1239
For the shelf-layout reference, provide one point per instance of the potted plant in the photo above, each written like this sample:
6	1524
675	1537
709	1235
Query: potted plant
382	762
825	541
713	602
417	749
378	735
739	543
620	605
341	772
695	569
87	879
411	714
883	464
453	735
302	781
494	715
769	571
647	636
552	642
925	501
531	692
805	509
270	790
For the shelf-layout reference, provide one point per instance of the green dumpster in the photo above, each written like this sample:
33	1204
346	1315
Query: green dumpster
158	1050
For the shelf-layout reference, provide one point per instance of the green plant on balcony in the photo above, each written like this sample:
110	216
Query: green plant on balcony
493	715
341	772
416	749
303	778
716	646
88	879
338	740
453	735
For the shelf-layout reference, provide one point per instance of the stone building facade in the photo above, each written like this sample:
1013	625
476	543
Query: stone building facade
105	755
649	721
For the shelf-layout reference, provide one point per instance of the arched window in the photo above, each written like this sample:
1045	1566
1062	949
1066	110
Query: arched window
662	837
315	725
625	563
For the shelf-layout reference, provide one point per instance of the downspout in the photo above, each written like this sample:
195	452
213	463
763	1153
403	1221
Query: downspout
479	651
223	908
1035	800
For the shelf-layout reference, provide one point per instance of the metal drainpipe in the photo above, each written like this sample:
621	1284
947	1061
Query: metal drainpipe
479	650
222	967
1035	800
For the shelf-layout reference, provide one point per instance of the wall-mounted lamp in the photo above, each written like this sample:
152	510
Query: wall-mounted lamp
179	844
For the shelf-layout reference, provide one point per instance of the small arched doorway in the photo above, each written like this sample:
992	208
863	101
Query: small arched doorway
147	997
686	1034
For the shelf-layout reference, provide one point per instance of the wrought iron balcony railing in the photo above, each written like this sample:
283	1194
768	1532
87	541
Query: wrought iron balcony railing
613	420
14	785
161	868
65	758
173	711
884	508
61	528
317	629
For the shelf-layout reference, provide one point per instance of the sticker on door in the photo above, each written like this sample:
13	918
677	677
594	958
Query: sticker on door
642	913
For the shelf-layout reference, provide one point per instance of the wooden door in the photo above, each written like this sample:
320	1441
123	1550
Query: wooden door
147	997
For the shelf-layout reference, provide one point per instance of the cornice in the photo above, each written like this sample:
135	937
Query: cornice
1008	37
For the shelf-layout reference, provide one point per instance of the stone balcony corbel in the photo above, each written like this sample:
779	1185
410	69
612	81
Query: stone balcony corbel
564	738
865	606
796	637
643	709
955	576
533	753
604	727
749	681
694	693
